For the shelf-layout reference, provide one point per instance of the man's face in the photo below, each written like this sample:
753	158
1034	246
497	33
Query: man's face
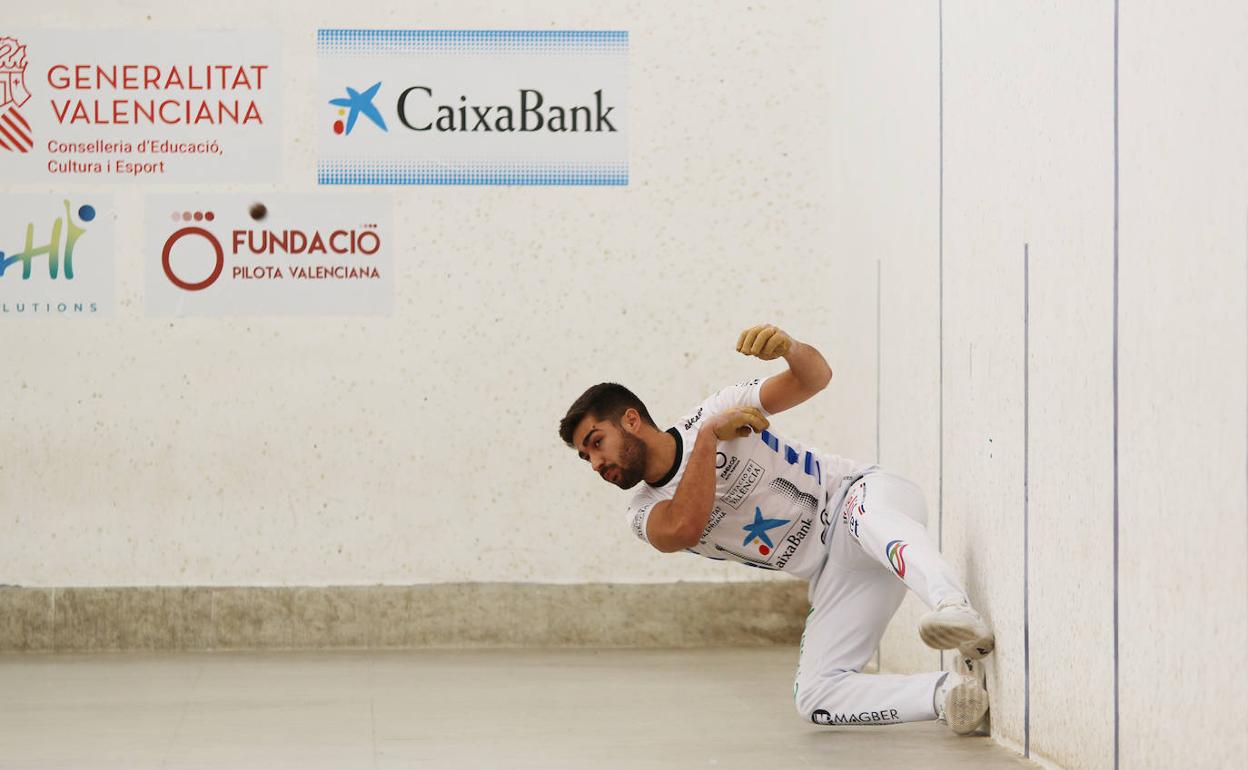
615	453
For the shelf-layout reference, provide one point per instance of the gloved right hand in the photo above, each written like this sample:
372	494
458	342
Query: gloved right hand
737	422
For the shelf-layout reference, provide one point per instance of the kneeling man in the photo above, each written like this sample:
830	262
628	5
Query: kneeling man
721	484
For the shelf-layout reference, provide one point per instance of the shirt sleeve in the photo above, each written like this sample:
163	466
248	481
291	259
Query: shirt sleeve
746	393
639	513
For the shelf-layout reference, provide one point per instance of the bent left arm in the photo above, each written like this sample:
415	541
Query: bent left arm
808	372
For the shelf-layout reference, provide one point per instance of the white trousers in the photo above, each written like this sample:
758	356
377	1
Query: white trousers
878	547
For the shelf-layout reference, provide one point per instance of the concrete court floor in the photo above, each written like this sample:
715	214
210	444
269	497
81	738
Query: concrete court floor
583	709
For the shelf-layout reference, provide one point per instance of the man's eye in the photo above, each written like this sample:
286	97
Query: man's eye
597	443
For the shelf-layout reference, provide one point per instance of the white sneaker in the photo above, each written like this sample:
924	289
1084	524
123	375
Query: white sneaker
955	624
962	701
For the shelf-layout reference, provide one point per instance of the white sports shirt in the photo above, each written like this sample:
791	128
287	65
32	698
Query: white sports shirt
771	493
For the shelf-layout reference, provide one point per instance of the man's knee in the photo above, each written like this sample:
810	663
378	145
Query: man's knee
815	700
908	499
918	513
805	704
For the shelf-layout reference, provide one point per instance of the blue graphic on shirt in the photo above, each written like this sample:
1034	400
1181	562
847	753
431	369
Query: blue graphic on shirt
758	529
811	466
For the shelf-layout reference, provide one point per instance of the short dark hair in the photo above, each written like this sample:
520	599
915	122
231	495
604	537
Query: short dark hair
605	401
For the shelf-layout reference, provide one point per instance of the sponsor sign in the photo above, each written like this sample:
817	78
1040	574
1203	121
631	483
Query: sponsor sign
896	552
884	716
853	508
56	255
745	483
717	515
127	106
472	107
694	421
269	255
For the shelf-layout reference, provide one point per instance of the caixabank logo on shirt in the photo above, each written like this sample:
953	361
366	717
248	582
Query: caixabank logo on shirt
770	541
476	107
284	255
56	256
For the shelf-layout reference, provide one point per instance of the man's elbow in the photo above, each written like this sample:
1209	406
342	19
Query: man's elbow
818	381
686	536
684	533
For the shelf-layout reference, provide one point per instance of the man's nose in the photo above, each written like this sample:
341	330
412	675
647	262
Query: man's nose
596	463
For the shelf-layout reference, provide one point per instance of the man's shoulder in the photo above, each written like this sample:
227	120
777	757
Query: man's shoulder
693	418
715	402
646	497
744	393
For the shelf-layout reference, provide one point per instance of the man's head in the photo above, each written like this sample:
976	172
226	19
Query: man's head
607	426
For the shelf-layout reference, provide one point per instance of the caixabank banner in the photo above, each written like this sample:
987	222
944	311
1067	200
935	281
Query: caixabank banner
126	106
56	256
268	255
472	107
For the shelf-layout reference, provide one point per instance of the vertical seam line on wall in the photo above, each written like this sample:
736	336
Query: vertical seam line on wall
879	291
940	503
1026	501
1117	730
940	494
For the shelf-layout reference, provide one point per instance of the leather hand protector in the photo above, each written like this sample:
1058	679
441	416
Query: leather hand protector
764	341
738	422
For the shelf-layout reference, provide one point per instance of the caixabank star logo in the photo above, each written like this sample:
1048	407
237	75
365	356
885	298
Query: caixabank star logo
15	132
354	105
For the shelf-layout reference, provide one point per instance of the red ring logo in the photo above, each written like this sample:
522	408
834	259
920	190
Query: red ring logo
217	268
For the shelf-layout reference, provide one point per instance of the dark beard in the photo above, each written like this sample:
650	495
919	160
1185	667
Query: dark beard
633	455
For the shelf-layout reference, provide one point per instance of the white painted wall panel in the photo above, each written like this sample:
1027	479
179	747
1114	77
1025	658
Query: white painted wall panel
1069	230
886	95
1183	251
986	119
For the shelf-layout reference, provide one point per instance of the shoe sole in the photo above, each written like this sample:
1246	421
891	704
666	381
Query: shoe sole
965	707
943	633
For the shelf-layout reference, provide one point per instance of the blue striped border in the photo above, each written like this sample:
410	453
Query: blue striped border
342	41
338	172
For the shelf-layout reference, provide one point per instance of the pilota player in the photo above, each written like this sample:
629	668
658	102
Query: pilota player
723	485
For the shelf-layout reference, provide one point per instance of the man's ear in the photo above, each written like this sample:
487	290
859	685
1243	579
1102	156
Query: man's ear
631	420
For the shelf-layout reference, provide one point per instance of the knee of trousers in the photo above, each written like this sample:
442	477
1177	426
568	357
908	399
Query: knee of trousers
817	693
907	497
919	515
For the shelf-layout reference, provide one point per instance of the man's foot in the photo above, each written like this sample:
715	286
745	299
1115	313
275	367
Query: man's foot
955	624
961	700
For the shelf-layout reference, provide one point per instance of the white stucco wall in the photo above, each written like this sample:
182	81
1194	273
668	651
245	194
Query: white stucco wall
781	156
422	447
